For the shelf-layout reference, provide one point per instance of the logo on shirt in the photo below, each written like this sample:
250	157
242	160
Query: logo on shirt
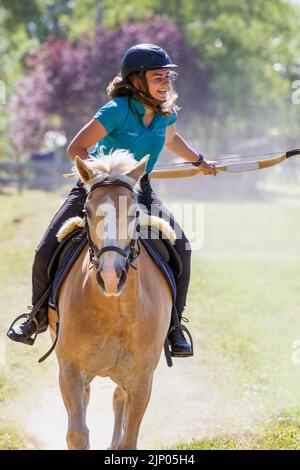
161	132
134	134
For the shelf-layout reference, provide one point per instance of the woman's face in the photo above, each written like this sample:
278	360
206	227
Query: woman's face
158	81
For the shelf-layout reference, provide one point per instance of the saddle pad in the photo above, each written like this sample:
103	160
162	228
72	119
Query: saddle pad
162	264
71	254
67	260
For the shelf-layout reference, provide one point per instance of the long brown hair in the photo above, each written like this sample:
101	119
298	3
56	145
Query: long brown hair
124	87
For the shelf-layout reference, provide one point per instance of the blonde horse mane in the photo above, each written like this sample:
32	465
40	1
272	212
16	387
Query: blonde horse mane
109	167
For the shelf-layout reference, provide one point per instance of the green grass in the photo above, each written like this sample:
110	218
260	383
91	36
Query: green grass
243	305
10	439
280	434
23	220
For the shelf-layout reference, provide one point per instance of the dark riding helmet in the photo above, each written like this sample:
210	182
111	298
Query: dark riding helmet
145	57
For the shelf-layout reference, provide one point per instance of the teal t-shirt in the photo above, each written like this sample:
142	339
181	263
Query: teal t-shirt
125	130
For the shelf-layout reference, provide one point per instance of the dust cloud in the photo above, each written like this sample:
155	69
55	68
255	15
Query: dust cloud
189	402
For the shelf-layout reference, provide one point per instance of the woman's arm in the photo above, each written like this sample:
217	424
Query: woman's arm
175	143
88	136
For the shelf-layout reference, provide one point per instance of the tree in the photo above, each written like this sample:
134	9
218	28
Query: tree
236	72
64	84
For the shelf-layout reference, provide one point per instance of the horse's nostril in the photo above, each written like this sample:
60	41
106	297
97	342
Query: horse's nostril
119	268
100	280
123	278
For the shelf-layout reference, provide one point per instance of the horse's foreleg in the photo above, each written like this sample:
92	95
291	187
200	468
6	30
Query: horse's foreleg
75	394
119	408
136	405
86	396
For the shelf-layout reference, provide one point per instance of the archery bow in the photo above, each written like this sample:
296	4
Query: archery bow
230	167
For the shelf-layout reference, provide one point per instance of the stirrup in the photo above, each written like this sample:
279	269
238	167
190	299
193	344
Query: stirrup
32	317
184	329
31	340
181	328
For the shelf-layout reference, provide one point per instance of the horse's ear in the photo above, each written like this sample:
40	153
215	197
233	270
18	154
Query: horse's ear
84	171
139	170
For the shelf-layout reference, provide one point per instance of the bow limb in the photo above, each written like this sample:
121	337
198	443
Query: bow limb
251	166
193	171
258	164
178	173
230	168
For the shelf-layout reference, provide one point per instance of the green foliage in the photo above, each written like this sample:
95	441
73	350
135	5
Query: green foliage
40	18
69	81
250	48
135	9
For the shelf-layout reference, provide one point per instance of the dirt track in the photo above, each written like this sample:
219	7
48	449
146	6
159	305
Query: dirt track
186	404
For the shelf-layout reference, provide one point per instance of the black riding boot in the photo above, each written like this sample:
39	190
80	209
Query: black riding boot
179	346
23	332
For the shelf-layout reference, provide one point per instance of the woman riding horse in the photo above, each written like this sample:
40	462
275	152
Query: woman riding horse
139	117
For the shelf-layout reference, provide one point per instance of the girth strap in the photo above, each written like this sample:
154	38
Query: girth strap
41	359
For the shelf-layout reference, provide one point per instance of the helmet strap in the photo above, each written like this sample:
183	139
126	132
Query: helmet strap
144	96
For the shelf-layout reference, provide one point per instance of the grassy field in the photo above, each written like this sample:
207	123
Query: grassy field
243	306
245	302
23	219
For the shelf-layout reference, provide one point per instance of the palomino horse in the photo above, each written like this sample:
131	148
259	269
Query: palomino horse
113	320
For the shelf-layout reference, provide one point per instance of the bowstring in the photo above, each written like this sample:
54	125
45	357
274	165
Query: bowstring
227	158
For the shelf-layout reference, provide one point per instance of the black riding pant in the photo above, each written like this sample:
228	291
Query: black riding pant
73	206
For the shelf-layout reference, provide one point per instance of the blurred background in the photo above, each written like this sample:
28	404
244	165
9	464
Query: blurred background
238	83
239	93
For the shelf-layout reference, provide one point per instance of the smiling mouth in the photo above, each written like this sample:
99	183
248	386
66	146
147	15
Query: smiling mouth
162	92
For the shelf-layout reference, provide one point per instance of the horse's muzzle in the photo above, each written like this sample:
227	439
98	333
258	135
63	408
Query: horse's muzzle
111	282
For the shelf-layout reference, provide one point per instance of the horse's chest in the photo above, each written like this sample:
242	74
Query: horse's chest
110	356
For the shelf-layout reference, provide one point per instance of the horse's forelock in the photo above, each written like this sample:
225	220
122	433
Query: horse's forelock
111	167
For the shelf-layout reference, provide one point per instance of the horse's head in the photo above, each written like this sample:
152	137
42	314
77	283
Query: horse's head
111	213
